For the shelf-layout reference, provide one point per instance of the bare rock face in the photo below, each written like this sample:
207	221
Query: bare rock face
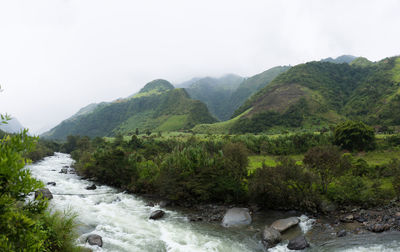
284	224
95	239
236	217
271	237
45	192
298	243
156	215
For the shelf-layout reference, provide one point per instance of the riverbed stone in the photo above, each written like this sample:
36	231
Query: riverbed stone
45	192
236	217
298	243
341	233
92	187
51	183
284	224
378	228
94	240
271	237
64	170
157	214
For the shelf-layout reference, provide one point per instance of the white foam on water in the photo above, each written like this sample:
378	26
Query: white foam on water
123	219
306	223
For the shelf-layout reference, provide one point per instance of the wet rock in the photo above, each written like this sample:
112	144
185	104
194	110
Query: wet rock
341	233
298	243
45	192
155	215
51	183
347	219
271	237
164	203
95	239
236	217
284	224
66	166
64	170
92	187
150	204
71	171
378	228
361	219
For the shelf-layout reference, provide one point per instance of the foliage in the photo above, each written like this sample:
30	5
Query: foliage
327	162
352	136
26	225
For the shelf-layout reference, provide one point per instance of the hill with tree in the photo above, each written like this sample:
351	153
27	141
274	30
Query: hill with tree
317	94
157	107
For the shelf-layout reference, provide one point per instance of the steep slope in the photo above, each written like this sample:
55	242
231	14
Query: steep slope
318	93
157	107
253	84
215	93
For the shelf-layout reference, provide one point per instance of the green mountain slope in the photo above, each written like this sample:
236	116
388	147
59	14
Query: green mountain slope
157	107
215	93
317	94
224	95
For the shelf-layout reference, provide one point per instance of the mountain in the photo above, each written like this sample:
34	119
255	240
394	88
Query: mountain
341	59
251	85
215	93
224	95
317	94
12	126
157	107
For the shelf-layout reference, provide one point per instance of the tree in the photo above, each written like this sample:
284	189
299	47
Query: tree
148	132
327	162
137	131
354	136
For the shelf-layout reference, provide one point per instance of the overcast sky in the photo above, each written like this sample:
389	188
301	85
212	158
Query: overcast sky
57	56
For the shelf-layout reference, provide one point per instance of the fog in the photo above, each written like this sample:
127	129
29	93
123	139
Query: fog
57	56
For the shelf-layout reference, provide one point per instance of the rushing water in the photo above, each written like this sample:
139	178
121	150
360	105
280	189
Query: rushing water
123	221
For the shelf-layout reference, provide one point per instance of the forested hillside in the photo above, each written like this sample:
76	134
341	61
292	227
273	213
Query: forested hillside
318	93
157	107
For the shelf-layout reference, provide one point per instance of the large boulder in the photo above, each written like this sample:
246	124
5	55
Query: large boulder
155	215
236	217
95	239
45	192
271	237
284	224
298	243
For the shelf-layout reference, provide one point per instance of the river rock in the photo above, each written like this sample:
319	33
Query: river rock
95	239
341	233
164	203
298	243
378	228
236	217
92	187
45	192
347	219
150	204
51	183
284	224
271	237
155	215
64	170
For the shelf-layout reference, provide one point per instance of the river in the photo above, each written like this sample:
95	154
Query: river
123	221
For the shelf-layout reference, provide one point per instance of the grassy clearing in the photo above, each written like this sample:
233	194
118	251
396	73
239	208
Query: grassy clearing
378	157
256	162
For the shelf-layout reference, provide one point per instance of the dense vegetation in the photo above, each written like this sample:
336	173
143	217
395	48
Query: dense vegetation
157	107
205	169
27	225
224	95
318	94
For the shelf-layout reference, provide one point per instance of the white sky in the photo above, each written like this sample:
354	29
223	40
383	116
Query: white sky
57	56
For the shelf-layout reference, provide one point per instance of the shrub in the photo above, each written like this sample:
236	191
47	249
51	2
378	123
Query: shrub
354	136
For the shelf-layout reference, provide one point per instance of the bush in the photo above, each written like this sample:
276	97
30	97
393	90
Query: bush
354	136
